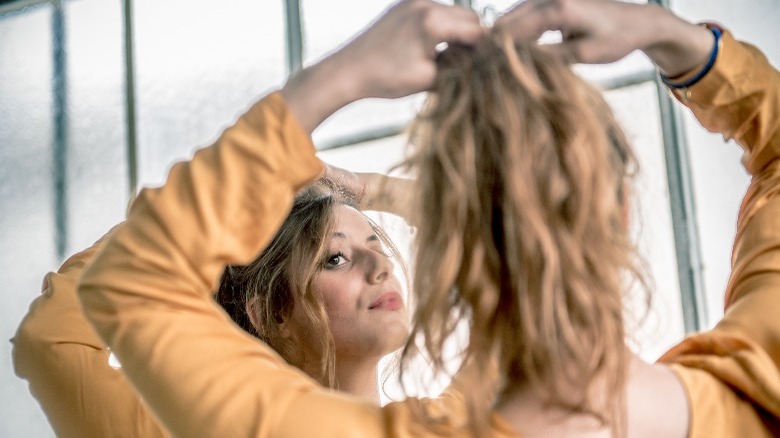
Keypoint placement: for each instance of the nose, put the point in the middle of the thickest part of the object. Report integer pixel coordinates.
(381, 267)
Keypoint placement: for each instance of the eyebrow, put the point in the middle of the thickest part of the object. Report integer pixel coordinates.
(371, 238)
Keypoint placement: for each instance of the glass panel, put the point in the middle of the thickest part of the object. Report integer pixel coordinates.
(662, 326)
(97, 157)
(321, 33)
(27, 240)
(719, 180)
(199, 65)
(376, 156)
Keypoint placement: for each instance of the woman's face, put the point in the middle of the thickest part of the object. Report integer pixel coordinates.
(361, 294)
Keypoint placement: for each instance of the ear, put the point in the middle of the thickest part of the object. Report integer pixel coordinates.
(251, 311)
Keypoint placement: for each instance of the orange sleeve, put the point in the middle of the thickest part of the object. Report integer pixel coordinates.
(148, 292)
(740, 357)
(66, 365)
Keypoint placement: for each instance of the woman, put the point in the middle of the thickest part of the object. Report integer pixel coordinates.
(298, 283)
(721, 383)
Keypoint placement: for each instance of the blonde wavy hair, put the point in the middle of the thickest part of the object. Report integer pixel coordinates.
(520, 169)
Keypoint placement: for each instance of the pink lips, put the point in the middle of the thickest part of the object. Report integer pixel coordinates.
(387, 301)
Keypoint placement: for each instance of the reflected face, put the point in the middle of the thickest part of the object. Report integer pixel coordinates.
(361, 294)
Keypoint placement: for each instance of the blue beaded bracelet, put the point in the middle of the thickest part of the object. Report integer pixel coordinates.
(704, 71)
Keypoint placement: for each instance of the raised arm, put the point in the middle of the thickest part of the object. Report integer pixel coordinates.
(740, 98)
(147, 293)
(66, 365)
(731, 372)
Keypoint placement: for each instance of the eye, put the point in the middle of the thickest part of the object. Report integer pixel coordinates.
(334, 261)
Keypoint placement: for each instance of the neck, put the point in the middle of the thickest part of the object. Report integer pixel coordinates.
(359, 378)
(522, 408)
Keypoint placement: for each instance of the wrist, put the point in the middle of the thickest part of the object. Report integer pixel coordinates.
(677, 46)
(687, 79)
(315, 92)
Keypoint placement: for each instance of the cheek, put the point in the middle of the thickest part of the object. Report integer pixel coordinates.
(339, 293)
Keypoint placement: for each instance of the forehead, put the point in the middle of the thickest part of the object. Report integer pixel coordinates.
(351, 223)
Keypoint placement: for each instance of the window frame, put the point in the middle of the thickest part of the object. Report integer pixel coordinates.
(678, 170)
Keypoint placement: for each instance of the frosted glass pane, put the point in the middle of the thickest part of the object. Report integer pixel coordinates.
(375, 156)
(26, 204)
(200, 65)
(327, 25)
(97, 159)
(25, 134)
(719, 180)
(637, 110)
(366, 115)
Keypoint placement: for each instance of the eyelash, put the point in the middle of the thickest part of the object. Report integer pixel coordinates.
(327, 265)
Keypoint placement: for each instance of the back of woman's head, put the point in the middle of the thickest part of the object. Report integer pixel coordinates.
(520, 167)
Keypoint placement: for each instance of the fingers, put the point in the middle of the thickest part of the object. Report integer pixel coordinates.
(453, 24)
(397, 54)
(594, 31)
(528, 20)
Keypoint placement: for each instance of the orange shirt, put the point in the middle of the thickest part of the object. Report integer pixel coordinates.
(148, 294)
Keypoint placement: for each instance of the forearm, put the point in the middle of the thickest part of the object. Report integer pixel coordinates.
(316, 92)
(676, 46)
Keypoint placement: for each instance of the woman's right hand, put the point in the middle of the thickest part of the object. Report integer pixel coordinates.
(603, 31)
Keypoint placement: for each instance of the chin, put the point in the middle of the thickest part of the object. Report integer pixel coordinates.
(396, 336)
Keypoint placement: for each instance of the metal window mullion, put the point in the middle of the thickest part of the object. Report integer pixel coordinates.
(684, 223)
(60, 134)
(294, 35)
(130, 109)
(681, 199)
